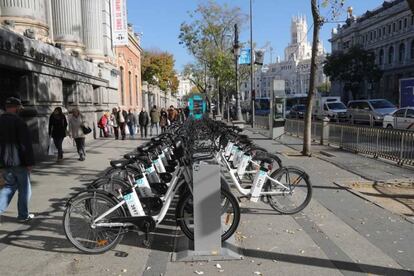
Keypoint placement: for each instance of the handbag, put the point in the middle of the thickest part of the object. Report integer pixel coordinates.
(52, 148)
(86, 130)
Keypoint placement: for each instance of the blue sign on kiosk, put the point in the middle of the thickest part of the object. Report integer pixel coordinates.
(198, 106)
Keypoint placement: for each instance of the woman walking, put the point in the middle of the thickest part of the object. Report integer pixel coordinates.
(76, 122)
(57, 129)
(163, 120)
(114, 122)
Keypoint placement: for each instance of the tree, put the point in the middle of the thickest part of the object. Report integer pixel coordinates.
(158, 69)
(318, 20)
(209, 37)
(352, 68)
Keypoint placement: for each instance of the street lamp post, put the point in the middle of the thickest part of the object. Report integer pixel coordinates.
(252, 88)
(236, 51)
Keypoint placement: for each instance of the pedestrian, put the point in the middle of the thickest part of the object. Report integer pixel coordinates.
(163, 120)
(180, 116)
(187, 112)
(103, 125)
(113, 121)
(76, 124)
(121, 120)
(143, 122)
(172, 114)
(57, 129)
(155, 119)
(131, 123)
(17, 159)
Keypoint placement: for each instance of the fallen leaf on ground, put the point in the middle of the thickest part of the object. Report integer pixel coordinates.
(199, 272)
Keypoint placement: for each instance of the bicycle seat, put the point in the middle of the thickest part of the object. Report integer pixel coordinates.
(118, 164)
(263, 159)
(132, 155)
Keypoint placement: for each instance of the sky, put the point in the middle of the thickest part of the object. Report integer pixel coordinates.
(159, 22)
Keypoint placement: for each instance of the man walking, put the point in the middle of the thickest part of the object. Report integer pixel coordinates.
(17, 159)
(155, 118)
(143, 122)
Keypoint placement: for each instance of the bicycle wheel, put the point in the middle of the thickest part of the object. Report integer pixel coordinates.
(109, 184)
(230, 217)
(296, 193)
(78, 217)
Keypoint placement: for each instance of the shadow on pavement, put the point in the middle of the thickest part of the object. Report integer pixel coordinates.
(325, 263)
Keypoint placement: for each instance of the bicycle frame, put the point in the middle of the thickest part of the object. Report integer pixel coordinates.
(220, 156)
(175, 184)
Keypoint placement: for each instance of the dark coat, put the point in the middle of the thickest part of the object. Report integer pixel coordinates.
(15, 133)
(57, 126)
(143, 118)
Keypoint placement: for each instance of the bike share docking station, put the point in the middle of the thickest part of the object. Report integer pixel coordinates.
(207, 244)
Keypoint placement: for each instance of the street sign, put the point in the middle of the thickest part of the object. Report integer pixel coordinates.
(244, 57)
(119, 23)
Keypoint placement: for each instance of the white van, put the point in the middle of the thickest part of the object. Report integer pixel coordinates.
(331, 108)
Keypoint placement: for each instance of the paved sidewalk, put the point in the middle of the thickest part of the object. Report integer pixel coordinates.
(338, 233)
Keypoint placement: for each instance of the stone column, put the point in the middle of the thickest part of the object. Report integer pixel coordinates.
(67, 25)
(107, 29)
(28, 17)
(92, 29)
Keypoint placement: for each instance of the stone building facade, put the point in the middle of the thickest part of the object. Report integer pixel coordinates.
(129, 66)
(387, 31)
(294, 69)
(57, 53)
(153, 95)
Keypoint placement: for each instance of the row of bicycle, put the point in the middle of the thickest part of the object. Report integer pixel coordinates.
(138, 190)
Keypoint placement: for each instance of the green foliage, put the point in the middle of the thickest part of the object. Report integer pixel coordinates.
(353, 66)
(208, 36)
(158, 69)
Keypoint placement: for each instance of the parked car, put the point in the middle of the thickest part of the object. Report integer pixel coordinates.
(402, 118)
(371, 111)
(297, 111)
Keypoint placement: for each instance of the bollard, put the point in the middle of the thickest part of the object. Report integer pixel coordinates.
(325, 131)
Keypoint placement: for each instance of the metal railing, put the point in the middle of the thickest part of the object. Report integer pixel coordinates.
(296, 127)
(395, 145)
(261, 122)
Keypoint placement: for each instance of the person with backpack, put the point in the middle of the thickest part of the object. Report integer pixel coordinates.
(57, 129)
(155, 119)
(17, 159)
(103, 125)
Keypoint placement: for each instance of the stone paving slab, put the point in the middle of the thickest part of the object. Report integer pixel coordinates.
(339, 233)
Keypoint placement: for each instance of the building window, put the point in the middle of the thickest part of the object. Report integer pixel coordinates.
(412, 20)
(130, 88)
(370, 36)
(393, 27)
(136, 88)
(375, 34)
(412, 49)
(383, 31)
(400, 25)
(122, 86)
(381, 57)
(401, 52)
(390, 55)
(405, 22)
(379, 32)
(389, 29)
